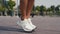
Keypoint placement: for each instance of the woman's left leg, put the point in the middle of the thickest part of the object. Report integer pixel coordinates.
(28, 12)
(29, 7)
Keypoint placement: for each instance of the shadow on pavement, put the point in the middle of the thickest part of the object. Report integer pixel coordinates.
(4, 28)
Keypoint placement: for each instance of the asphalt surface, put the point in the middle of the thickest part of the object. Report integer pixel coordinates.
(45, 25)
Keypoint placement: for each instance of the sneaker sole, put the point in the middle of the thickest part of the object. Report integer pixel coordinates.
(29, 31)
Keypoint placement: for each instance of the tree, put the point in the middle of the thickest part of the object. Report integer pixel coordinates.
(48, 10)
(11, 4)
(57, 9)
(37, 9)
(0, 1)
(53, 9)
(42, 9)
(2, 9)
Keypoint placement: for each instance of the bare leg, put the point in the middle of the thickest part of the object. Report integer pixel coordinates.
(24, 23)
(23, 6)
(29, 7)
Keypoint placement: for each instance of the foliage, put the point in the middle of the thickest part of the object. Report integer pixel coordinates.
(0, 1)
(57, 8)
(38, 8)
(2, 8)
(42, 8)
(52, 7)
(49, 9)
(11, 4)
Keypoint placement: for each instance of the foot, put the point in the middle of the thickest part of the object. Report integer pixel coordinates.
(30, 22)
(25, 25)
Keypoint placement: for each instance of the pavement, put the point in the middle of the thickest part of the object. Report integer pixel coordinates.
(45, 25)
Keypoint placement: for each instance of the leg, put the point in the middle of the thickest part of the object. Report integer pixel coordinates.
(29, 7)
(24, 23)
(23, 6)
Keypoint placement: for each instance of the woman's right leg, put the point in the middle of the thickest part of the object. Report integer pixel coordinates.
(24, 23)
(23, 6)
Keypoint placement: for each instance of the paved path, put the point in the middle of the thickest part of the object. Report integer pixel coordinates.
(45, 25)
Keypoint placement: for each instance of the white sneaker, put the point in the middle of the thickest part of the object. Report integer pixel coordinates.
(32, 25)
(25, 25)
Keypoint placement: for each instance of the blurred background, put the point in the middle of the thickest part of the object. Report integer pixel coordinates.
(40, 8)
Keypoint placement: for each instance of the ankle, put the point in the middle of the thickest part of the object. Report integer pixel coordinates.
(28, 17)
(23, 19)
